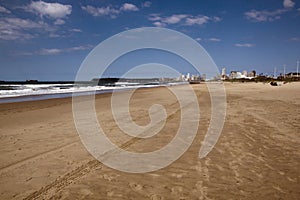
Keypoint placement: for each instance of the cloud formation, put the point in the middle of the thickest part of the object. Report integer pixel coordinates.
(174, 19)
(51, 10)
(146, 4)
(288, 3)
(108, 10)
(4, 10)
(244, 45)
(199, 20)
(263, 16)
(13, 28)
(75, 30)
(159, 24)
(184, 19)
(214, 39)
(129, 7)
(55, 51)
(59, 22)
(49, 51)
(100, 11)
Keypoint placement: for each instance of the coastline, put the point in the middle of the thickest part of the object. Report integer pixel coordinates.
(257, 155)
(65, 94)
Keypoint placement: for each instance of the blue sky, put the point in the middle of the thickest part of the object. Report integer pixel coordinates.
(48, 40)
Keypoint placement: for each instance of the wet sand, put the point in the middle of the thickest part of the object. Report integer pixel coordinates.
(256, 157)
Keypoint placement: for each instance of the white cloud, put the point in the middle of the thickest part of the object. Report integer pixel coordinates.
(199, 20)
(108, 10)
(4, 10)
(59, 22)
(198, 39)
(154, 17)
(174, 19)
(288, 3)
(49, 51)
(129, 7)
(15, 28)
(184, 19)
(14, 34)
(214, 39)
(265, 16)
(262, 16)
(217, 19)
(244, 45)
(159, 24)
(75, 30)
(101, 11)
(18, 23)
(56, 51)
(52, 10)
(146, 4)
(79, 48)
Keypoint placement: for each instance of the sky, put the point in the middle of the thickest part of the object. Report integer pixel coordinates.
(48, 40)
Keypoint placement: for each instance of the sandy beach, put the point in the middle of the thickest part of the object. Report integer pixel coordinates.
(256, 157)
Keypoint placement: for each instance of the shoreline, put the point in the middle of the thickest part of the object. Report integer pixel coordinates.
(39, 97)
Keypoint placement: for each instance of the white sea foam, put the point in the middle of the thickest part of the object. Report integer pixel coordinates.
(46, 89)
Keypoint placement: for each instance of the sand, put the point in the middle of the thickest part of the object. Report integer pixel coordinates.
(256, 157)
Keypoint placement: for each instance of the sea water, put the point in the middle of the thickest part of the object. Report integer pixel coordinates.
(31, 92)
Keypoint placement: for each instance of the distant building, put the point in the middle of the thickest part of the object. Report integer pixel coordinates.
(195, 77)
(223, 71)
(251, 74)
(188, 76)
(241, 75)
(182, 77)
(235, 75)
(223, 74)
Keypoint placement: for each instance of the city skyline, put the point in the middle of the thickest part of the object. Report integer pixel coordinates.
(48, 40)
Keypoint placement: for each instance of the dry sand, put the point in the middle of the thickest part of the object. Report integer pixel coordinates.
(256, 157)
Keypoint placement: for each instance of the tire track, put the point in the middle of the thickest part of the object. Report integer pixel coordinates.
(61, 182)
(69, 178)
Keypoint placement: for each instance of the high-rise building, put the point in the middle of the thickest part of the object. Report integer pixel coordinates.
(223, 74)
(188, 76)
(223, 71)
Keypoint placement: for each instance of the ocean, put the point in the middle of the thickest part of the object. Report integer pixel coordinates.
(30, 92)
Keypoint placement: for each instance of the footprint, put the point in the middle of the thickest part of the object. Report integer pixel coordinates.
(176, 190)
(136, 187)
(201, 189)
(156, 197)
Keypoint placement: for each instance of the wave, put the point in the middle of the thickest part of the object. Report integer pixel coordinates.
(14, 92)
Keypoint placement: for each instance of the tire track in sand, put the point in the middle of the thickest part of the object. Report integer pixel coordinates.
(61, 182)
(51, 189)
